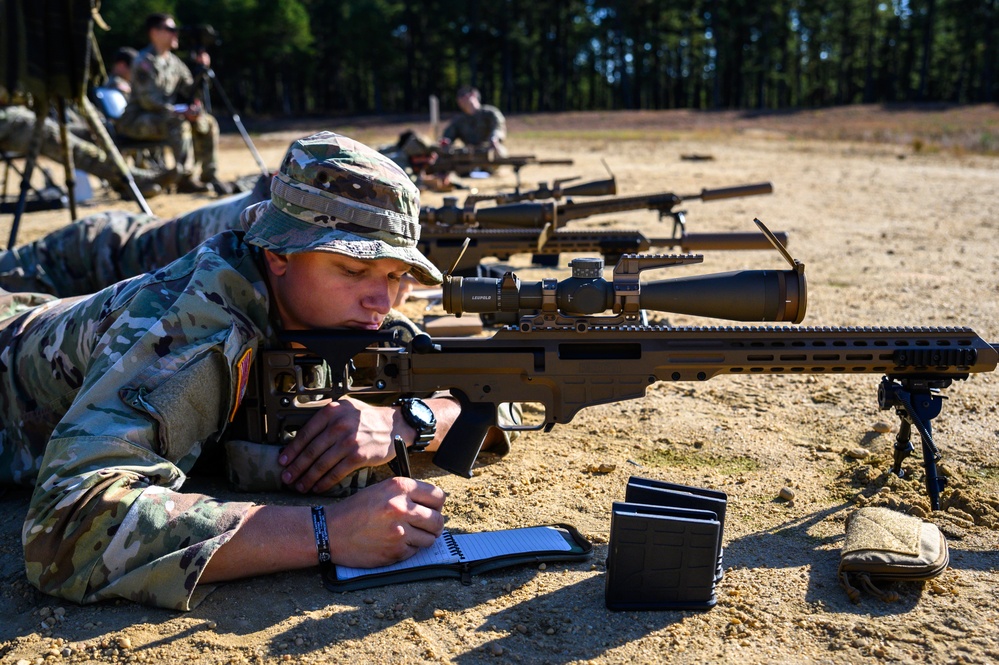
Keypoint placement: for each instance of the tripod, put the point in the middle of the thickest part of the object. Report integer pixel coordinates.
(209, 75)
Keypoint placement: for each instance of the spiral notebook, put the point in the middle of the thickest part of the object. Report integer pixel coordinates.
(462, 555)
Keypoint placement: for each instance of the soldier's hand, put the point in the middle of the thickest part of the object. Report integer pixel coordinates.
(339, 439)
(194, 110)
(385, 523)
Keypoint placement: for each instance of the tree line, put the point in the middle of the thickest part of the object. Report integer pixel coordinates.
(387, 56)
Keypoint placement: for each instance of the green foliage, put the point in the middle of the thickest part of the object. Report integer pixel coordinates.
(358, 56)
(127, 20)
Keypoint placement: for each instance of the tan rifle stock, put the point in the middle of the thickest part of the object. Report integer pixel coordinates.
(566, 370)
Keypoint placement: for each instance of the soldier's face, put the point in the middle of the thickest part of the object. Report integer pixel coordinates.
(165, 36)
(468, 104)
(324, 290)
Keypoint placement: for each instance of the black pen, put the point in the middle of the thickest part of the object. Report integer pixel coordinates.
(400, 465)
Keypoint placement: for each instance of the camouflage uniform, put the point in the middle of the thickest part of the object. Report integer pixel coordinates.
(159, 82)
(411, 151)
(107, 401)
(17, 123)
(99, 250)
(479, 129)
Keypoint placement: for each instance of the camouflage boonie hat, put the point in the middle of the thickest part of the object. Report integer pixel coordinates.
(333, 194)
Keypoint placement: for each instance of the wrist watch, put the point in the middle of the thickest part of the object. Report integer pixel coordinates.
(420, 417)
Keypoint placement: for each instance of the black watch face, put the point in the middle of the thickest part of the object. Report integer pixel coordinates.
(421, 411)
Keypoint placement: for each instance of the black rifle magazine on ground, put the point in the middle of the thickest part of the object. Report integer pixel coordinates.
(661, 558)
(884, 546)
(461, 555)
(662, 493)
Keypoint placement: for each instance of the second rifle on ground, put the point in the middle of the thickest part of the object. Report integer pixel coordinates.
(466, 160)
(537, 228)
(537, 215)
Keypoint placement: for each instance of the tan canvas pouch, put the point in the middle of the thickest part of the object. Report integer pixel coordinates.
(884, 545)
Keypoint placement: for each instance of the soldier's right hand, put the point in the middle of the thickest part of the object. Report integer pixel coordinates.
(194, 110)
(385, 523)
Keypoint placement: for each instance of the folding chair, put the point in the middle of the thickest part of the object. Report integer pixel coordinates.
(49, 197)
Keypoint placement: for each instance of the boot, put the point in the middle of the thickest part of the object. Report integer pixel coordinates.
(151, 183)
(168, 179)
(221, 188)
(191, 185)
(146, 188)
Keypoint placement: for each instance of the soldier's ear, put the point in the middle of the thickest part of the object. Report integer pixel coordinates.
(276, 263)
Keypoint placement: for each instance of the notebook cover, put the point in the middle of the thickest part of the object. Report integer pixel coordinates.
(581, 549)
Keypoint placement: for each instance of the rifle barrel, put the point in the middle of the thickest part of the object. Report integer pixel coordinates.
(709, 242)
(733, 192)
(537, 214)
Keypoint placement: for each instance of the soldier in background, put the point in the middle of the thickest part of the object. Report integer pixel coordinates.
(163, 107)
(480, 126)
(121, 70)
(412, 151)
(17, 123)
(98, 250)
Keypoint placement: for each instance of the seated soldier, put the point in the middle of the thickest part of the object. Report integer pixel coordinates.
(17, 124)
(479, 126)
(163, 106)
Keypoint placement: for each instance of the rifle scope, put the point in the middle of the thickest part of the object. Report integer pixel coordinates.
(743, 295)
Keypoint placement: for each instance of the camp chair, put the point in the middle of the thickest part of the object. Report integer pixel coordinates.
(49, 197)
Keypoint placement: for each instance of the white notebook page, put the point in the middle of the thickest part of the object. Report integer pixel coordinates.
(473, 547)
(477, 546)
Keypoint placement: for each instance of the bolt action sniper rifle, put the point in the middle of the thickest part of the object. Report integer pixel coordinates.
(465, 160)
(445, 245)
(569, 357)
(503, 231)
(537, 215)
(555, 192)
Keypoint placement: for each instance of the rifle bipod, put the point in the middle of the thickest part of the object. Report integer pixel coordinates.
(916, 402)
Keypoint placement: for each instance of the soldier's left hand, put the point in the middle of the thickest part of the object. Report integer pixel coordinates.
(341, 438)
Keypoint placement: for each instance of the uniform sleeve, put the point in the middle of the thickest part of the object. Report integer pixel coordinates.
(497, 125)
(451, 131)
(147, 91)
(106, 519)
(185, 79)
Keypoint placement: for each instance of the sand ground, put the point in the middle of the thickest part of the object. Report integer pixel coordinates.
(894, 214)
